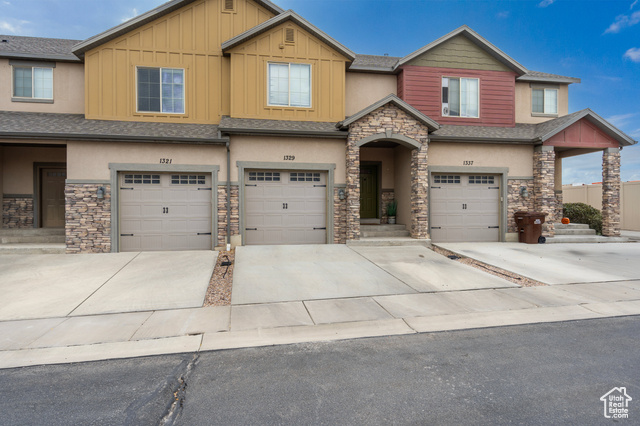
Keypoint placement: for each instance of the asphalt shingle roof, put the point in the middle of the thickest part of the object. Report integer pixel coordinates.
(383, 63)
(75, 126)
(543, 76)
(521, 132)
(252, 125)
(37, 47)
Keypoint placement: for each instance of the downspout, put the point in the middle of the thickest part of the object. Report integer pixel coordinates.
(228, 194)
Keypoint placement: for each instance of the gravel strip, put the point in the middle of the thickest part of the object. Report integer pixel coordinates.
(498, 272)
(219, 291)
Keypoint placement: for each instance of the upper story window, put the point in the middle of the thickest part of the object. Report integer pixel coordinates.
(544, 101)
(161, 90)
(290, 85)
(33, 82)
(460, 97)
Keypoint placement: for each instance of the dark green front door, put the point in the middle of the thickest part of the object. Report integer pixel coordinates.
(368, 192)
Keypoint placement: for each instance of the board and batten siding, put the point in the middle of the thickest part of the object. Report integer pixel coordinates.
(188, 38)
(421, 87)
(249, 76)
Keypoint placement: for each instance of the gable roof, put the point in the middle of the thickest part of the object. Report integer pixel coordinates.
(547, 78)
(475, 38)
(289, 15)
(374, 63)
(550, 128)
(54, 49)
(431, 124)
(145, 18)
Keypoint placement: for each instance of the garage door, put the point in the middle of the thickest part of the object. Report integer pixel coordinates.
(284, 207)
(465, 207)
(165, 211)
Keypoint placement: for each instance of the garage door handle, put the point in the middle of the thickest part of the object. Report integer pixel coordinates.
(494, 187)
(204, 189)
(494, 227)
(319, 186)
(251, 229)
(436, 187)
(128, 188)
(126, 235)
(248, 184)
(436, 227)
(204, 233)
(315, 229)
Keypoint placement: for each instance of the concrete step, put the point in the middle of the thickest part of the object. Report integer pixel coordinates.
(15, 239)
(383, 231)
(578, 231)
(386, 242)
(585, 239)
(571, 226)
(29, 248)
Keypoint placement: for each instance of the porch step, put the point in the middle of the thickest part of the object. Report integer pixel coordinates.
(585, 239)
(384, 231)
(571, 226)
(30, 248)
(388, 241)
(32, 235)
(576, 231)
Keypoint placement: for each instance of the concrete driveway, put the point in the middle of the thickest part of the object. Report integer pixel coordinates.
(46, 286)
(558, 263)
(268, 274)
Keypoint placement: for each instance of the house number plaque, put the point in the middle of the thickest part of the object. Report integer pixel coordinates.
(166, 160)
(467, 163)
(289, 157)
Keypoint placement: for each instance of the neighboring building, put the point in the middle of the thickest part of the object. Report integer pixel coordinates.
(137, 138)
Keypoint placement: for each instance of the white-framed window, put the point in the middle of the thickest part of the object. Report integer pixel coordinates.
(289, 85)
(160, 90)
(544, 101)
(33, 82)
(460, 97)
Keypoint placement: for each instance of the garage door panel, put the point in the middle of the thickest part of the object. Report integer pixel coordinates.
(165, 213)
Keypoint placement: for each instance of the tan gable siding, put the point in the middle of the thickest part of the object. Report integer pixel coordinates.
(249, 76)
(188, 38)
(459, 52)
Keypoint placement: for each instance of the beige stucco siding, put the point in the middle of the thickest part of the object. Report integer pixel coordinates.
(402, 185)
(384, 156)
(68, 90)
(18, 163)
(523, 103)
(90, 160)
(364, 89)
(274, 149)
(518, 158)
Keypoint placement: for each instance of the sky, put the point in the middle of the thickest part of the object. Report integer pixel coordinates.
(596, 41)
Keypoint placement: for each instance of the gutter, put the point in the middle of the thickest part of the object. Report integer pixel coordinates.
(228, 144)
(301, 133)
(111, 138)
(520, 141)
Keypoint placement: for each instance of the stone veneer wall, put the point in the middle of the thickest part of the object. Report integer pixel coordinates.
(88, 220)
(387, 196)
(17, 211)
(389, 117)
(222, 213)
(339, 218)
(544, 187)
(611, 192)
(515, 202)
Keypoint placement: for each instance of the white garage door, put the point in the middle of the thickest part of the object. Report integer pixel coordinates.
(284, 207)
(165, 211)
(465, 207)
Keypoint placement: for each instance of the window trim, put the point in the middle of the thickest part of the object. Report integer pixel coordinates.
(33, 98)
(442, 100)
(184, 84)
(544, 90)
(269, 104)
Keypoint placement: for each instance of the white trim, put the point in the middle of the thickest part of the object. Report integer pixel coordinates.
(184, 84)
(544, 105)
(460, 100)
(269, 104)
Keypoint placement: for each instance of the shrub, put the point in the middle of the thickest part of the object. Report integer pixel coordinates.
(392, 208)
(584, 213)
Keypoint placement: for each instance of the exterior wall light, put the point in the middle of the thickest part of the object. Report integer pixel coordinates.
(523, 192)
(100, 193)
(341, 194)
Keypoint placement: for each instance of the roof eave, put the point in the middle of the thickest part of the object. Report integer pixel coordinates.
(379, 70)
(110, 138)
(567, 80)
(277, 20)
(38, 56)
(145, 18)
(519, 141)
(282, 132)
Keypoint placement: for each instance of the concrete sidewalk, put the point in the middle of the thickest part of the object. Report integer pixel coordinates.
(125, 335)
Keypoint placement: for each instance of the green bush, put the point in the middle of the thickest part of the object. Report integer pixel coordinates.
(392, 208)
(584, 213)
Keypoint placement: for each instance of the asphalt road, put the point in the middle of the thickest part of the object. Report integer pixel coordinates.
(538, 374)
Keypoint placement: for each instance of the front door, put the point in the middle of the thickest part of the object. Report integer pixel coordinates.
(52, 193)
(369, 192)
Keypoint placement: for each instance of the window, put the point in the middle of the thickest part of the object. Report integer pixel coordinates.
(304, 177)
(33, 82)
(188, 179)
(290, 85)
(544, 101)
(142, 179)
(161, 90)
(446, 179)
(481, 180)
(264, 176)
(460, 97)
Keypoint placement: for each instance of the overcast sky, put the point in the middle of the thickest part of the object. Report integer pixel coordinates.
(597, 41)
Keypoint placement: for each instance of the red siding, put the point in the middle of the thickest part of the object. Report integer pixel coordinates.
(421, 87)
(582, 134)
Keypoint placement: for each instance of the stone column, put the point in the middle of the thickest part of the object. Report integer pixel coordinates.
(353, 188)
(611, 192)
(419, 192)
(544, 187)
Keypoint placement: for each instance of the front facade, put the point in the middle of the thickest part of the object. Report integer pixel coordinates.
(212, 122)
